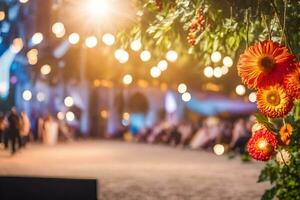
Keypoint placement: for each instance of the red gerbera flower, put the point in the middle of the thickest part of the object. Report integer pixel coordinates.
(292, 82)
(264, 63)
(262, 145)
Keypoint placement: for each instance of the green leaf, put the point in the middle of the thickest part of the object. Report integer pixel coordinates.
(265, 121)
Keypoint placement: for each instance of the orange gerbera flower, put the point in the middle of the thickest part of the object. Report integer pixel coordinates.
(264, 63)
(292, 82)
(285, 133)
(273, 101)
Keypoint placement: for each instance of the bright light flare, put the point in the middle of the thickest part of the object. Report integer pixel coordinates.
(70, 116)
(37, 38)
(98, 8)
(2, 15)
(216, 57)
(218, 72)
(121, 55)
(208, 72)
(45, 69)
(252, 97)
(136, 45)
(145, 55)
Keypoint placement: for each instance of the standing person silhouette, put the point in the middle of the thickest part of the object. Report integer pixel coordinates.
(14, 129)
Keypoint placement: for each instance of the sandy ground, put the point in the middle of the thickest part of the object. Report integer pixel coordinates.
(131, 171)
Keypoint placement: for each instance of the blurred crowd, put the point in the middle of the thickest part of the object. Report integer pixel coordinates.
(232, 134)
(16, 130)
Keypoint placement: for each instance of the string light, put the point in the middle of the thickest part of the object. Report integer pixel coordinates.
(74, 38)
(182, 88)
(127, 79)
(240, 90)
(45, 69)
(216, 56)
(171, 56)
(145, 55)
(186, 97)
(108, 39)
(91, 42)
(162, 65)
(104, 114)
(155, 72)
(27, 95)
(136, 45)
(68, 101)
(23, 1)
(208, 72)
(37, 38)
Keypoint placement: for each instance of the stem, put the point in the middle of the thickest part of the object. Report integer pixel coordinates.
(284, 20)
(283, 159)
(247, 28)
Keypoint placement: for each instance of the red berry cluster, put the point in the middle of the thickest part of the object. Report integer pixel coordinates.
(197, 26)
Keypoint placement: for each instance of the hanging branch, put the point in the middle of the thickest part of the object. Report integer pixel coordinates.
(282, 26)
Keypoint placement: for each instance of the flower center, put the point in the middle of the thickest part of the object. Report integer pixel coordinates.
(264, 146)
(267, 63)
(273, 98)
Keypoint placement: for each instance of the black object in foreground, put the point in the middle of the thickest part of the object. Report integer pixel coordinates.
(34, 188)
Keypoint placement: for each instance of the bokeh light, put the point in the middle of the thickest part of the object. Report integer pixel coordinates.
(171, 56)
(37, 38)
(58, 29)
(27, 95)
(70, 116)
(240, 90)
(32, 56)
(91, 42)
(136, 45)
(227, 61)
(45, 69)
(208, 72)
(2, 15)
(108, 39)
(218, 72)
(23, 1)
(17, 45)
(127, 79)
(74, 38)
(68, 101)
(162, 65)
(219, 149)
(121, 55)
(252, 97)
(145, 55)
(40, 96)
(155, 72)
(182, 88)
(186, 96)
(225, 70)
(216, 57)
(60, 116)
